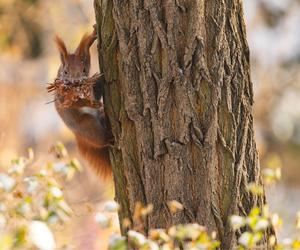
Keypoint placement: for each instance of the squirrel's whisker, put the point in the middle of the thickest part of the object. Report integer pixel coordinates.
(50, 102)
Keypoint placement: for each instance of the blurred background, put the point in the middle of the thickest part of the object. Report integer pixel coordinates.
(29, 60)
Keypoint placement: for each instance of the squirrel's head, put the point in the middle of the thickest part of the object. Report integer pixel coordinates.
(75, 66)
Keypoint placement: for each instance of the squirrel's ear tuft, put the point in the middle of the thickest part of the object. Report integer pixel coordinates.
(61, 48)
(85, 44)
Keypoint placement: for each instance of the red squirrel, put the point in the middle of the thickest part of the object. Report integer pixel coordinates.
(89, 124)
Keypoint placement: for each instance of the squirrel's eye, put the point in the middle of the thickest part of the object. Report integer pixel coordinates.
(65, 72)
(84, 70)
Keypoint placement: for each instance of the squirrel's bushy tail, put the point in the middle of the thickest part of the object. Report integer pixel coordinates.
(98, 158)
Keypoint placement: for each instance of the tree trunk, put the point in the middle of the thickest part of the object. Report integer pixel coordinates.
(179, 98)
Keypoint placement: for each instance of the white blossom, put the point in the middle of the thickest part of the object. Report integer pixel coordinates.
(32, 184)
(152, 245)
(237, 221)
(61, 168)
(245, 239)
(41, 236)
(16, 169)
(137, 237)
(24, 208)
(115, 239)
(102, 220)
(262, 224)
(6, 182)
(111, 206)
(43, 172)
(56, 192)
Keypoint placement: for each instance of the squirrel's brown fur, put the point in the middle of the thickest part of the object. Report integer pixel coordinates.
(89, 124)
(97, 157)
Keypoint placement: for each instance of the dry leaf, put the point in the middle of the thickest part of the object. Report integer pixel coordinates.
(73, 91)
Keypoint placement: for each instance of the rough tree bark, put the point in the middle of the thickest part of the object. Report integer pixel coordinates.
(179, 98)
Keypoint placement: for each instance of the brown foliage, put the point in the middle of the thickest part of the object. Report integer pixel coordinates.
(74, 91)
